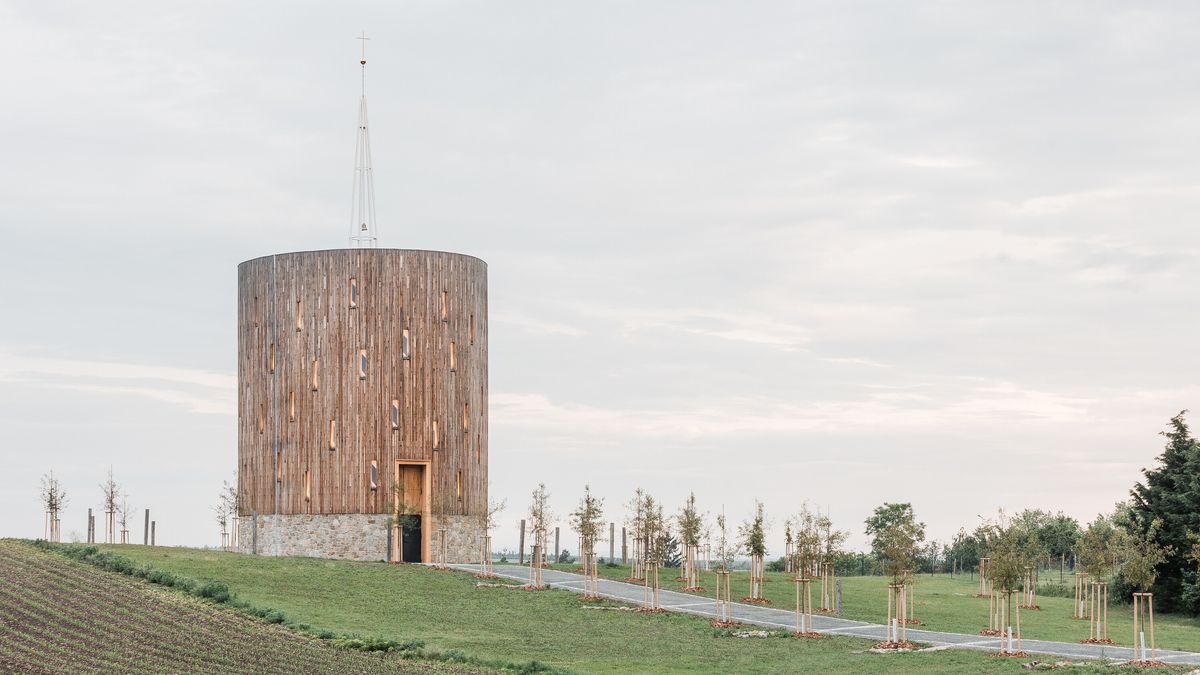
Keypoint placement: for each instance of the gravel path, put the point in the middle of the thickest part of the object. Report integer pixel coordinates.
(782, 618)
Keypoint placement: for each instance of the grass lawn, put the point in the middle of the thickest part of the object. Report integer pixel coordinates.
(948, 604)
(446, 610)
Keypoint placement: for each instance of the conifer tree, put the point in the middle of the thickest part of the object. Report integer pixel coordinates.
(1169, 495)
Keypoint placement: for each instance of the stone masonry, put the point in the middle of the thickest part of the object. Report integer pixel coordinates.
(351, 536)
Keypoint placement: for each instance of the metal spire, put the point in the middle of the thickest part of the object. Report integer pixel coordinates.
(362, 216)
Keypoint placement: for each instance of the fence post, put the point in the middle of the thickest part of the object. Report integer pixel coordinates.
(521, 555)
(612, 542)
(556, 549)
(146, 530)
(624, 547)
(152, 524)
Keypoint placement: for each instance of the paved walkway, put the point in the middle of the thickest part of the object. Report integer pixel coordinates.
(781, 618)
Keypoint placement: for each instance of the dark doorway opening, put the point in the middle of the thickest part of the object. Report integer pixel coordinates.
(410, 545)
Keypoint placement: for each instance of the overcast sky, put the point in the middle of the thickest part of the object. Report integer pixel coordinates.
(839, 252)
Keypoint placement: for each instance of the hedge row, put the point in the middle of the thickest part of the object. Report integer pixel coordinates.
(218, 592)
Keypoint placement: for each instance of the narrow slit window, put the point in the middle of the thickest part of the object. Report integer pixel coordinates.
(466, 417)
(374, 475)
(404, 344)
(333, 434)
(299, 317)
(278, 466)
(316, 374)
(445, 306)
(262, 418)
(435, 435)
(307, 485)
(291, 406)
(477, 446)
(453, 358)
(471, 329)
(362, 364)
(395, 414)
(353, 292)
(271, 359)
(458, 484)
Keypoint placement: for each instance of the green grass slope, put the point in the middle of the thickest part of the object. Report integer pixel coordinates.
(948, 604)
(447, 610)
(61, 616)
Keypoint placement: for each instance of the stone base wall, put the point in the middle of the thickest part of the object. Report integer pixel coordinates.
(464, 535)
(351, 536)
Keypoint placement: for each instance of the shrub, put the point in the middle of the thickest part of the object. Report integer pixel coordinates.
(359, 644)
(274, 616)
(217, 591)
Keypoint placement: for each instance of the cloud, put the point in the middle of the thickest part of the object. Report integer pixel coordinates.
(971, 403)
(753, 327)
(928, 162)
(1055, 204)
(501, 320)
(196, 390)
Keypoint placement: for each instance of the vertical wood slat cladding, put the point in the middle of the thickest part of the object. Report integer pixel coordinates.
(396, 290)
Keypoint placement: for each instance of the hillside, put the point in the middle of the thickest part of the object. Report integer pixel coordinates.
(60, 616)
(448, 611)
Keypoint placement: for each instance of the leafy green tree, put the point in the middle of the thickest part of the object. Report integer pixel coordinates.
(806, 540)
(963, 551)
(1059, 534)
(1100, 547)
(1006, 542)
(691, 523)
(725, 551)
(1141, 558)
(753, 533)
(1170, 495)
(655, 531)
(586, 519)
(895, 535)
(831, 539)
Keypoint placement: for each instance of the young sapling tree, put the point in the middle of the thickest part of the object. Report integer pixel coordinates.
(691, 525)
(753, 540)
(54, 500)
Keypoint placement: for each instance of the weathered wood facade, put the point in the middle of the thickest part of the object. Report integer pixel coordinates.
(352, 363)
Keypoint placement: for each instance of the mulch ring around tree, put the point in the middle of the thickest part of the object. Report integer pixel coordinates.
(1097, 641)
(693, 589)
(637, 579)
(724, 624)
(1031, 608)
(652, 610)
(888, 646)
(911, 622)
(1148, 664)
(586, 597)
(755, 601)
(811, 635)
(1011, 655)
(991, 632)
(487, 576)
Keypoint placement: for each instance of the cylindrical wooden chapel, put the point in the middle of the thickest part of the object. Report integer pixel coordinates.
(362, 385)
